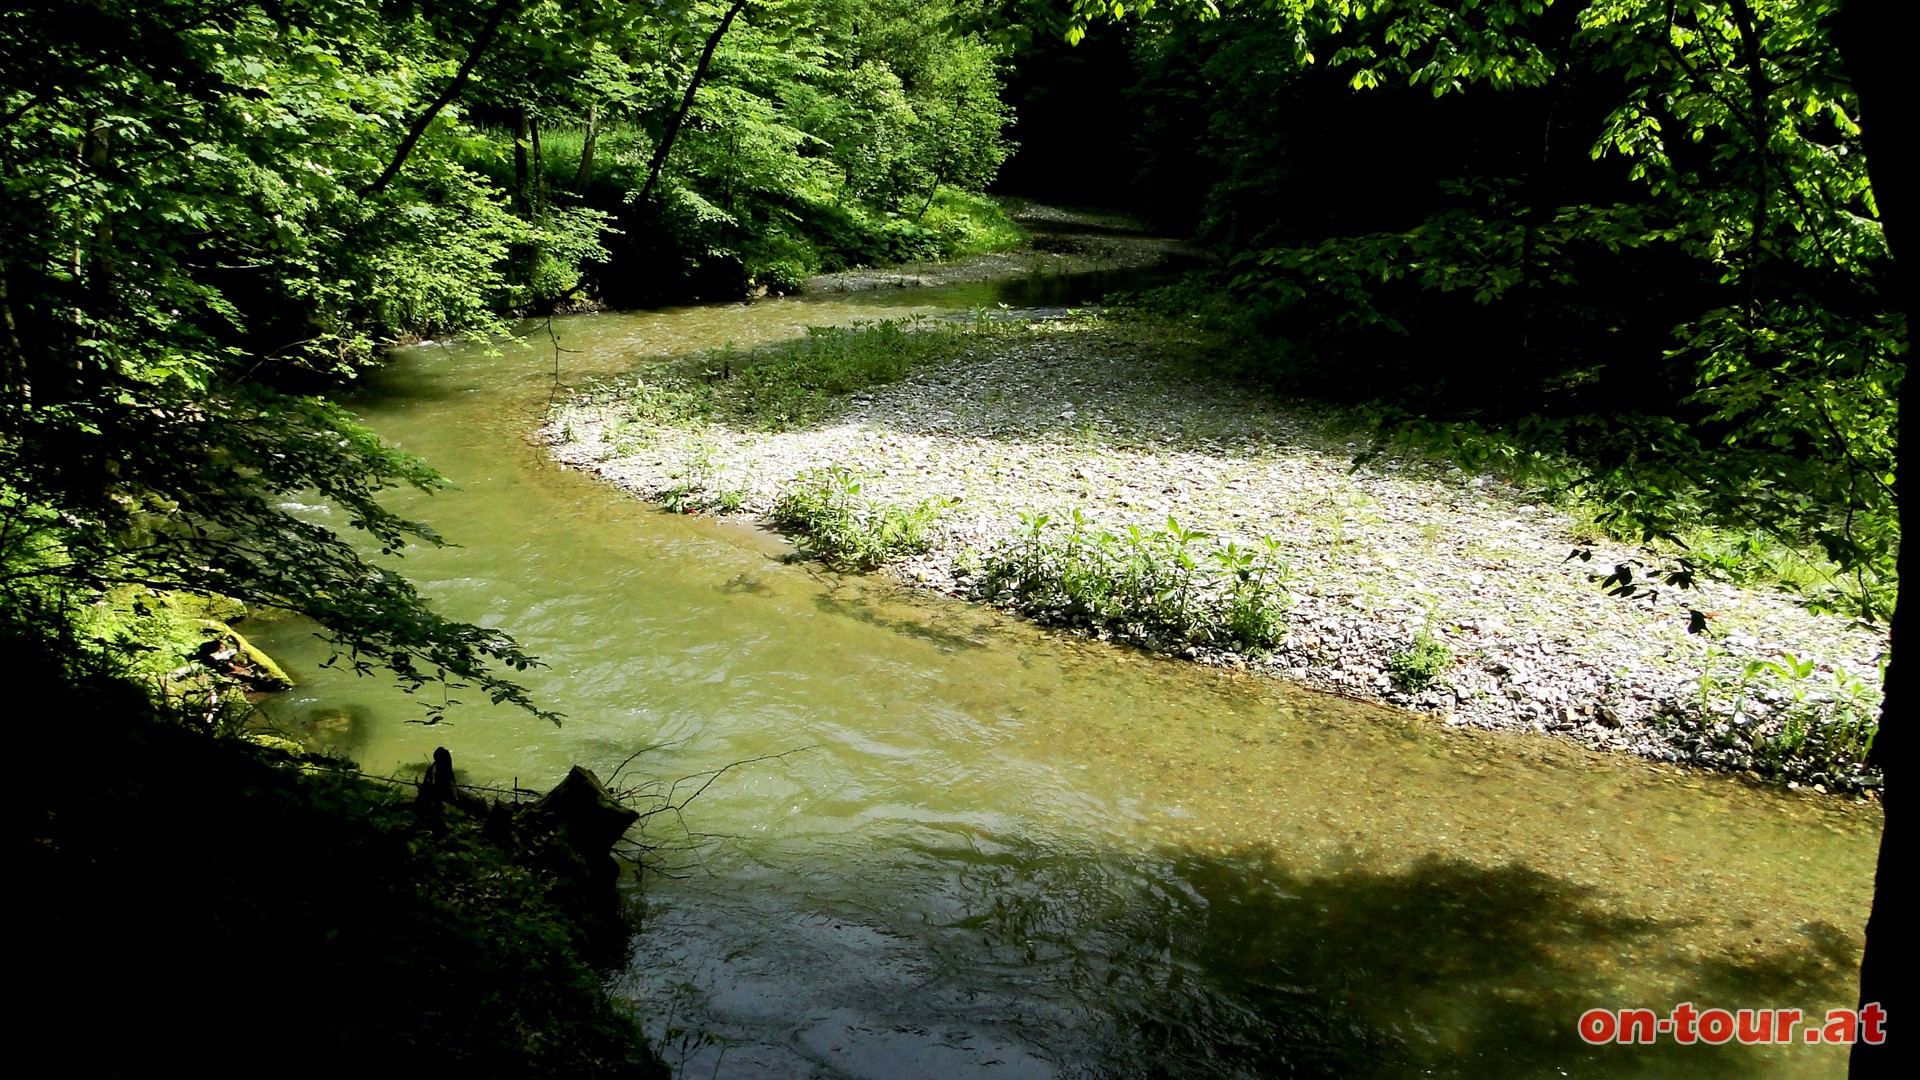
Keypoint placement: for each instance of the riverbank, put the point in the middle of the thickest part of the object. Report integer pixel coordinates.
(231, 905)
(1402, 564)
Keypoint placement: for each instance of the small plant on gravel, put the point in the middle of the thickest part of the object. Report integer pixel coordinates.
(1255, 614)
(693, 480)
(1416, 668)
(1781, 719)
(1163, 588)
(848, 531)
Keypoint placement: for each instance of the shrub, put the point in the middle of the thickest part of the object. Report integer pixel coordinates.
(848, 531)
(1418, 667)
(1160, 588)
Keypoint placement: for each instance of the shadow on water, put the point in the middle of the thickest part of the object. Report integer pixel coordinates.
(1064, 290)
(1443, 968)
(861, 606)
(1177, 963)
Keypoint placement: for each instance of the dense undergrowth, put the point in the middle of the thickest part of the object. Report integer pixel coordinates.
(769, 241)
(735, 148)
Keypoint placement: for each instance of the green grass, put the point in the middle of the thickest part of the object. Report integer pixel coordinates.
(1169, 589)
(614, 164)
(970, 224)
(787, 386)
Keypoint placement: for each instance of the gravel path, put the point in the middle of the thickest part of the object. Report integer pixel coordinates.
(1088, 415)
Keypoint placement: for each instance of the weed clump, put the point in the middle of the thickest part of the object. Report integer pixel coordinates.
(1171, 588)
(1782, 719)
(847, 530)
(1414, 669)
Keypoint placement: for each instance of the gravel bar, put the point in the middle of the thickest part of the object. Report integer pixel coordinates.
(1090, 415)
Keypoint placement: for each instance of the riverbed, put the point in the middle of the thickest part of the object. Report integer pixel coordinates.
(951, 844)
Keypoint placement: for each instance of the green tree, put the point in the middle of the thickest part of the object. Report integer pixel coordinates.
(203, 215)
(1594, 227)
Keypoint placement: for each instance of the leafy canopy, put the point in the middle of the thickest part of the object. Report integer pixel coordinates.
(1660, 211)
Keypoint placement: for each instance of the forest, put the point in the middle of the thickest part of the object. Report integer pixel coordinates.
(1627, 263)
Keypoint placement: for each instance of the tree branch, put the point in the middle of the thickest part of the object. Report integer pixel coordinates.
(686, 101)
(481, 42)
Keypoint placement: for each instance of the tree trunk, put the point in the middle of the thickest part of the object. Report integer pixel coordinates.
(522, 168)
(1873, 43)
(481, 42)
(539, 168)
(585, 175)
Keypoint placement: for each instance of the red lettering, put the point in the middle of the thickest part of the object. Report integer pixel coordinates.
(1755, 1025)
(1689, 1025)
(1597, 1026)
(1683, 1021)
(1716, 1026)
(1638, 1025)
(1872, 1016)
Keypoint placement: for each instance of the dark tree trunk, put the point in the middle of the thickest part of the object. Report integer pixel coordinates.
(585, 176)
(539, 189)
(679, 116)
(1873, 41)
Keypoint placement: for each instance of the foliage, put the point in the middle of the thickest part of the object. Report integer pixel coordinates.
(191, 237)
(1161, 588)
(820, 136)
(212, 213)
(970, 224)
(846, 529)
(1782, 718)
(1418, 667)
(1633, 238)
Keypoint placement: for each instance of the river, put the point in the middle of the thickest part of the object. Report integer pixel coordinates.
(957, 846)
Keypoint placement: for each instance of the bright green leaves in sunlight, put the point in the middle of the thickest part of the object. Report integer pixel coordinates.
(188, 244)
(214, 212)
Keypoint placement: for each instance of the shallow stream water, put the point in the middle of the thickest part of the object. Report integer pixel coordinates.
(956, 846)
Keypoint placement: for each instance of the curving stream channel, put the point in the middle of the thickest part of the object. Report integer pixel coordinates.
(960, 847)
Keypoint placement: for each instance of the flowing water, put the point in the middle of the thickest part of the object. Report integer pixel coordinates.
(956, 846)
